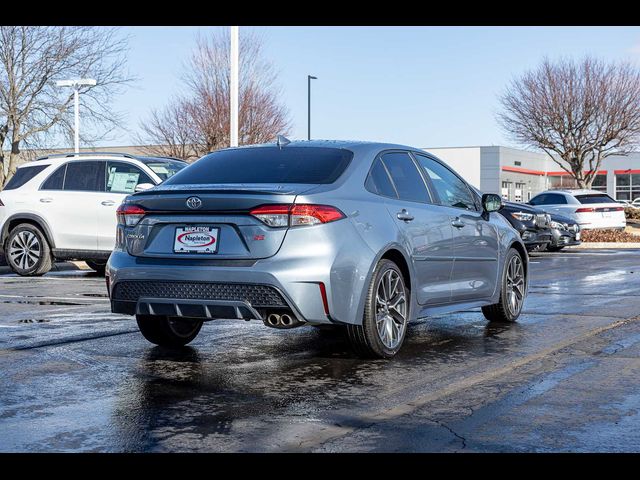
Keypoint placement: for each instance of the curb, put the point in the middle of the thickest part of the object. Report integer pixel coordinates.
(618, 245)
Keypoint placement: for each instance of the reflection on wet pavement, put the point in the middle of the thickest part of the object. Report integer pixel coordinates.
(459, 383)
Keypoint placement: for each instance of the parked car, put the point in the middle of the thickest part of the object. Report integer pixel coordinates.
(564, 232)
(532, 224)
(64, 207)
(368, 236)
(590, 208)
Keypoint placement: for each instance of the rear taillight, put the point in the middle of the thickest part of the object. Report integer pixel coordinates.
(600, 209)
(296, 215)
(129, 215)
(272, 215)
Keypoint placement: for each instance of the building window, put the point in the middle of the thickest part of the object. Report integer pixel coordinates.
(627, 186)
(517, 163)
(519, 192)
(506, 191)
(567, 181)
(600, 183)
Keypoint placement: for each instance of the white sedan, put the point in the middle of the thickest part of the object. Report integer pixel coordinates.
(590, 208)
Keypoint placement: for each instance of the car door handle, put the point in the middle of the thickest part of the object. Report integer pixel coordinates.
(404, 215)
(46, 200)
(108, 203)
(456, 222)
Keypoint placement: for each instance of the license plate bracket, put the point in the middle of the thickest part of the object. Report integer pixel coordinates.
(198, 239)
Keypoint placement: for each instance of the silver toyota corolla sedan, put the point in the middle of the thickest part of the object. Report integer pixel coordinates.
(362, 236)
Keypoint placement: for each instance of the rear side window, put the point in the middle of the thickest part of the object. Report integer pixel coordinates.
(55, 180)
(314, 165)
(549, 199)
(23, 175)
(378, 181)
(595, 198)
(406, 177)
(85, 176)
(539, 200)
(556, 199)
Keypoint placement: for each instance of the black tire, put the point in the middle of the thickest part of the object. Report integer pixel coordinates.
(554, 249)
(365, 339)
(168, 332)
(98, 265)
(40, 251)
(502, 311)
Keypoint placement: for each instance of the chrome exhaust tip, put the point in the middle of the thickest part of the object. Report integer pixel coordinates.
(286, 320)
(273, 319)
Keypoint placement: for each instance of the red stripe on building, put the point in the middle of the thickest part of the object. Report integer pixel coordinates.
(522, 170)
(617, 172)
(562, 172)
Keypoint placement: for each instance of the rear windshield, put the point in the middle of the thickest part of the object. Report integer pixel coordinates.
(23, 175)
(595, 198)
(266, 165)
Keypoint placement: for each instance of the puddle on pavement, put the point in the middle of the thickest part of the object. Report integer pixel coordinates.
(41, 302)
(34, 320)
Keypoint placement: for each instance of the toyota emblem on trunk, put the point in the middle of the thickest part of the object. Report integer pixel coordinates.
(194, 203)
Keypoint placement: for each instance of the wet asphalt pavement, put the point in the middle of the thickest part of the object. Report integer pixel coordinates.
(74, 377)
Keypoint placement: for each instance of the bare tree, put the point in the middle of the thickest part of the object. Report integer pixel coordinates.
(577, 112)
(198, 122)
(33, 111)
(173, 131)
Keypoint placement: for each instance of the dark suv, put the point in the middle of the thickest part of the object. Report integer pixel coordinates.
(532, 224)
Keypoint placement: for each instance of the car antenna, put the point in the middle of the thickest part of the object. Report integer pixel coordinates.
(282, 141)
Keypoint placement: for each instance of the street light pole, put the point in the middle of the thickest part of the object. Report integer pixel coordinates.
(234, 87)
(309, 78)
(76, 84)
(76, 122)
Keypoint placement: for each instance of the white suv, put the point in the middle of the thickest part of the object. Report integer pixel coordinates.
(590, 208)
(64, 206)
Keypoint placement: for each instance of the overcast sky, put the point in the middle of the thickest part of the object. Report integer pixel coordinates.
(422, 86)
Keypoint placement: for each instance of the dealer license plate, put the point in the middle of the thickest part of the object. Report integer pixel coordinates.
(196, 239)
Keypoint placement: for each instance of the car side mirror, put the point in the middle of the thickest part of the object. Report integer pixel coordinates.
(143, 186)
(491, 202)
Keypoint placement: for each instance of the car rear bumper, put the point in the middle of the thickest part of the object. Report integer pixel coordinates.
(211, 291)
(589, 221)
(332, 256)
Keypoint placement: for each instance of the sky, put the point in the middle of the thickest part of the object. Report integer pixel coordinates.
(421, 86)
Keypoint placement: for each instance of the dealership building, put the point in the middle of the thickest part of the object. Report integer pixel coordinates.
(518, 175)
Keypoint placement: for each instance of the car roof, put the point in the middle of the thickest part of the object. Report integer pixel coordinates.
(58, 159)
(574, 192)
(346, 144)
(521, 206)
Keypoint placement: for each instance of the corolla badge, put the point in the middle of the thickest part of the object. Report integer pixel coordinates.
(194, 203)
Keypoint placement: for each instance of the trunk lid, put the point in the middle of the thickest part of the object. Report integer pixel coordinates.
(223, 208)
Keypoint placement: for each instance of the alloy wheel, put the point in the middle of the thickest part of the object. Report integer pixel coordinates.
(515, 285)
(391, 309)
(25, 250)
